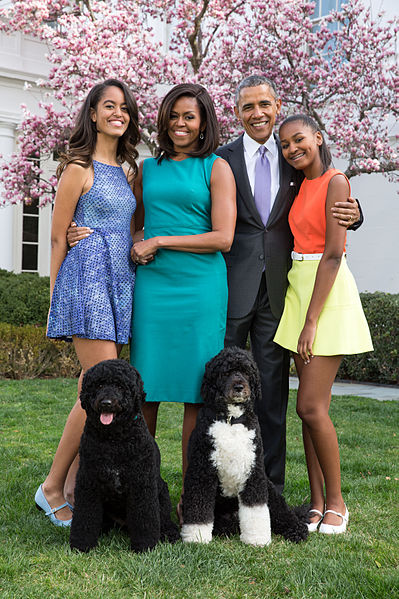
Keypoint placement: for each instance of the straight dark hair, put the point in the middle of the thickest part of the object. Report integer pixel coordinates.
(305, 119)
(210, 141)
(83, 139)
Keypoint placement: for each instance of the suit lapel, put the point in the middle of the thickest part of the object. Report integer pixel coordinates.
(237, 163)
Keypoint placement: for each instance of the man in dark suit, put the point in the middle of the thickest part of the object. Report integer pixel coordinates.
(260, 258)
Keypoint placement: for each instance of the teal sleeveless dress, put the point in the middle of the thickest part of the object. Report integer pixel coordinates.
(180, 299)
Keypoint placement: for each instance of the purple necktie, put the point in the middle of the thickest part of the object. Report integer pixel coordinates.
(262, 191)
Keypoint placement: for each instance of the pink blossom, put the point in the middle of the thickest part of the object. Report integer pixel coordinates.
(345, 77)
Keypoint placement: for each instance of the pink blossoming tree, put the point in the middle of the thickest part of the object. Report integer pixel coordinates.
(342, 69)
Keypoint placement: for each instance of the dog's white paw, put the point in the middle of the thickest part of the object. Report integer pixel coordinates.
(196, 533)
(255, 524)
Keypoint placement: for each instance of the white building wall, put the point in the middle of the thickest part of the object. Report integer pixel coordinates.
(7, 135)
(372, 249)
(22, 60)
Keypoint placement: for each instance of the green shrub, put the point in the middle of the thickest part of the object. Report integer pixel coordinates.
(26, 353)
(381, 365)
(24, 298)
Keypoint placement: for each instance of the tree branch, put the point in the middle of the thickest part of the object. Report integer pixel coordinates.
(89, 8)
(195, 38)
(212, 35)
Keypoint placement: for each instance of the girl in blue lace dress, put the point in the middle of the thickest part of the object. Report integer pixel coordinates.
(91, 286)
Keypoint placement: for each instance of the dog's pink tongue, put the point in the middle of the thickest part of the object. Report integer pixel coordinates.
(106, 418)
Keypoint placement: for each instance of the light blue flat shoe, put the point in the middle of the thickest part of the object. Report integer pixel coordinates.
(43, 504)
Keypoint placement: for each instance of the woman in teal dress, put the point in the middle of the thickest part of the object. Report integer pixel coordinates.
(186, 203)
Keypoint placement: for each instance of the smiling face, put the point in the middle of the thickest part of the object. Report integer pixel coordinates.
(301, 148)
(257, 110)
(185, 125)
(111, 114)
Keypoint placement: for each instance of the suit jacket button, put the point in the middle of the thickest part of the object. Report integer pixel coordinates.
(261, 257)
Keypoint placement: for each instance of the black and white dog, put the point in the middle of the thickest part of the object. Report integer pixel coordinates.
(225, 477)
(118, 477)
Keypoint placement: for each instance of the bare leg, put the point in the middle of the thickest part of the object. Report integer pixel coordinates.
(150, 413)
(189, 421)
(315, 474)
(89, 352)
(321, 444)
(69, 486)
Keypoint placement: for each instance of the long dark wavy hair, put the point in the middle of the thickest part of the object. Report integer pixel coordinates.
(210, 141)
(305, 119)
(83, 139)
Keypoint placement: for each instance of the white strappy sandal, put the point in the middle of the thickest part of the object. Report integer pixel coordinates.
(331, 529)
(312, 526)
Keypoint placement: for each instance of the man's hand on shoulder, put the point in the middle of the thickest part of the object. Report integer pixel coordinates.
(347, 213)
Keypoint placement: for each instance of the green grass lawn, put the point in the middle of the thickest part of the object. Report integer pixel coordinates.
(36, 562)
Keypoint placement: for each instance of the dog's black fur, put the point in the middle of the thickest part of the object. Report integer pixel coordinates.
(118, 476)
(230, 378)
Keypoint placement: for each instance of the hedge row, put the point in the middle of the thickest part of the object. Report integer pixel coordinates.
(24, 298)
(26, 353)
(381, 365)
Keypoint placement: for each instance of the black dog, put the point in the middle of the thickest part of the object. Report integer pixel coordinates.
(118, 476)
(225, 482)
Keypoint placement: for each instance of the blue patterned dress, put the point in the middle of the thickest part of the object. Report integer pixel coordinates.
(93, 292)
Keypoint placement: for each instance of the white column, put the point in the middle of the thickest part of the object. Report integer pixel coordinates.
(7, 141)
(43, 265)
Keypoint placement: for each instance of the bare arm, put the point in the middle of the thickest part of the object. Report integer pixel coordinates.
(328, 267)
(70, 188)
(223, 215)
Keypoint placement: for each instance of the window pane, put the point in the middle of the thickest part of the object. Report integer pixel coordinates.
(30, 228)
(316, 12)
(29, 257)
(32, 208)
(332, 26)
(327, 6)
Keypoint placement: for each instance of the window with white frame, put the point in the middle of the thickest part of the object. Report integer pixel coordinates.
(324, 7)
(30, 233)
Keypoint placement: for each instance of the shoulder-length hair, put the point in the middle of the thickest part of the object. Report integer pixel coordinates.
(305, 119)
(210, 131)
(83, 139)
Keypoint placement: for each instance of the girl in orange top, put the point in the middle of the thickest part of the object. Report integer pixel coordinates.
(323, 317)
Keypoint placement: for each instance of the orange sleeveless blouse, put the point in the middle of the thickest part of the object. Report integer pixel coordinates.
(307, 217)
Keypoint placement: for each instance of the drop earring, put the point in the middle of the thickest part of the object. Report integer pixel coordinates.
(201, 136)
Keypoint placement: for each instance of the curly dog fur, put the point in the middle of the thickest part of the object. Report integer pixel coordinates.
(225, 483)
(118, 476)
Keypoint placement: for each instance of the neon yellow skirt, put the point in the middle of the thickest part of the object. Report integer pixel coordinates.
(341, 328)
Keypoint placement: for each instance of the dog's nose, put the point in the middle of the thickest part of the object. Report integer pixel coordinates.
(238, 387)
(106, 403)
